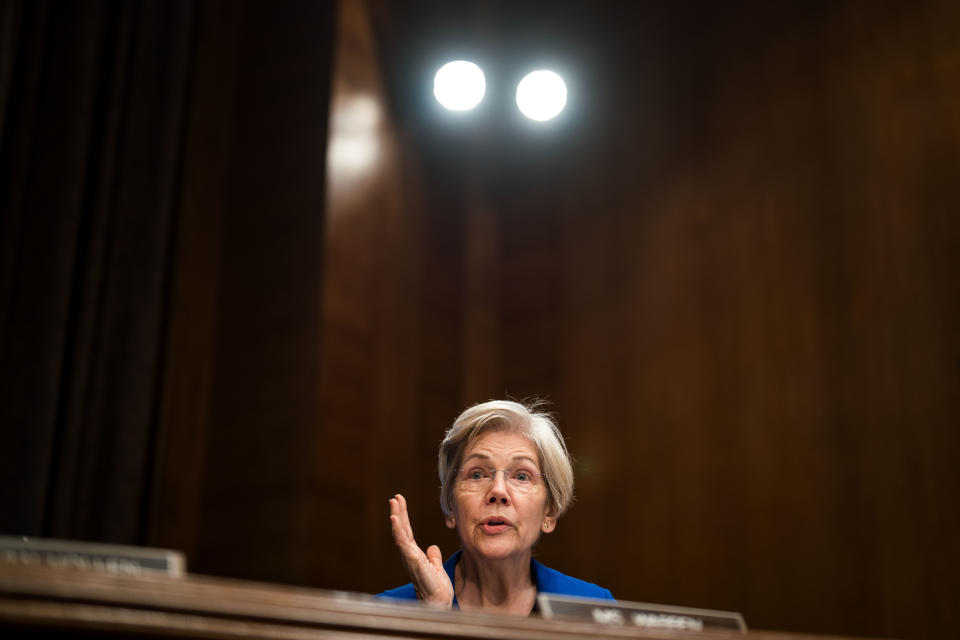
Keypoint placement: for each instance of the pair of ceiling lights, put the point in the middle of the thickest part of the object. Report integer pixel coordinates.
(460, 85)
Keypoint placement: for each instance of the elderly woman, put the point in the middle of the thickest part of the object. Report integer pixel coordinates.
(506, 478)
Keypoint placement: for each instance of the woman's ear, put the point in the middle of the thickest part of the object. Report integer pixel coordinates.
(450, 521)
(549, 521)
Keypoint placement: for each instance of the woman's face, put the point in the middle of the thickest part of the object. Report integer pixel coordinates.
(500, 518)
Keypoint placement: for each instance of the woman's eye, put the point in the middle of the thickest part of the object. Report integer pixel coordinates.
(476, 474)
(522, 476)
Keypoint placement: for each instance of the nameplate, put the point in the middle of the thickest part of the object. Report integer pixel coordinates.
(640, 615)
(72, 554)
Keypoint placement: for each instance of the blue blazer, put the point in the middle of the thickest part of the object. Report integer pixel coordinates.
(546, 580)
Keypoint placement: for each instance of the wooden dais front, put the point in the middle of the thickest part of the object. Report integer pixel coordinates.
(39, 600)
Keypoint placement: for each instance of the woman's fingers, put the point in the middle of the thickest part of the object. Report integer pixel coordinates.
(435, 558)
(410, 553)
(404, 515)
(400, 522)
(440, 586)
(430, 578)
(426, 570)
(398, 508)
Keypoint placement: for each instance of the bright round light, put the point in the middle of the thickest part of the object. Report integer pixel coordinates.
(459, 85)
(541, 95)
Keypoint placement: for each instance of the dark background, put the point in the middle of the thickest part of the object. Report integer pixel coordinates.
(731, 265)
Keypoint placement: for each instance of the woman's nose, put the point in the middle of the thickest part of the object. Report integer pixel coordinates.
(498, 490)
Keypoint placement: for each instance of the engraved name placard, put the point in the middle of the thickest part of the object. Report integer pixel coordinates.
(639, 614)
(112, 558)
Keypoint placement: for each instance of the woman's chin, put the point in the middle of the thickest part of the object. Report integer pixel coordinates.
(493, 549)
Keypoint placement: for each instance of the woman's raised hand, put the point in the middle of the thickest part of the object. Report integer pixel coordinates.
(426, 569)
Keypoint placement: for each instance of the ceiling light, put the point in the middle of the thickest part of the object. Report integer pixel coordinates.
(541, 95)
(459, 85)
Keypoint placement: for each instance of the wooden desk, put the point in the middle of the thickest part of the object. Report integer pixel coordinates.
(38, 600)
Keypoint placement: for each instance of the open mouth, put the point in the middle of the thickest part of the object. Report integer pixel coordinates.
(495, 524)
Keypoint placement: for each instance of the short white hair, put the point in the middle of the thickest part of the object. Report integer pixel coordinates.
(506, 415)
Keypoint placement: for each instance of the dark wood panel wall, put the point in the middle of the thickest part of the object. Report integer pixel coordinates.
(731, 266)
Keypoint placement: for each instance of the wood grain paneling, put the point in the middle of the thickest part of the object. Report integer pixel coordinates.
(732, 267)
(379, 355)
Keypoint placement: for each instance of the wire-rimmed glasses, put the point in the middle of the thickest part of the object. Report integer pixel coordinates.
(478, 478)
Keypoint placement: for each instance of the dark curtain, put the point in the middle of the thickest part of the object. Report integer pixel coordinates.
(161, 226)
(92, 107)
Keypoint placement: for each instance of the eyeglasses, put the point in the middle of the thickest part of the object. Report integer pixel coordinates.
(477, 479)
